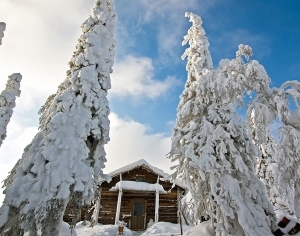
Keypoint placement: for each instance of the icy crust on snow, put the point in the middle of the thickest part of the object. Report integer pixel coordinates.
(67, 155)
(2, 29)
(138, 186)
(8, 102)
(210, 141)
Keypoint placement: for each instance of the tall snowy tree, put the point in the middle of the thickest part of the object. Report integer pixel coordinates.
(8, 102)
(8, 96)
(216, 159)
(64, 161)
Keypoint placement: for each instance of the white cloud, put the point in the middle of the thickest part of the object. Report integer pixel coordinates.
(17, 139)
(168, 19)
(133, 77)
(40, 38)
(131, 142)
(12, 148)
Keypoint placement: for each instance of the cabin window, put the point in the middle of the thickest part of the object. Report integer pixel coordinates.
(140, 178)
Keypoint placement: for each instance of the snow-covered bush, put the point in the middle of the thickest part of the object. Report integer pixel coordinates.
(64, 161)
(216, 158)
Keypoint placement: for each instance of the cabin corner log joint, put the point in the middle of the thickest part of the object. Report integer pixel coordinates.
(138, 195)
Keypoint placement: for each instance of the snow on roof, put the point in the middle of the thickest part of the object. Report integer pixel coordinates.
(138, 186)
(138, 163)
(154, 169)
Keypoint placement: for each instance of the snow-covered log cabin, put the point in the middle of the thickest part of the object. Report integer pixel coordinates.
(137, 195)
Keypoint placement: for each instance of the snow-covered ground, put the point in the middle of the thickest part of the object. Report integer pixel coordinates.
(158, 229)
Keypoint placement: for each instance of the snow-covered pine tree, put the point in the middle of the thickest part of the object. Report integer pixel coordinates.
(8, 102)
(216, 159)
(64, 161)
(199, 61)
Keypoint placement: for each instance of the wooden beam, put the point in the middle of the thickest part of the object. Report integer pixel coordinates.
(179, 204)
(119, 202)
(96, 208)
(156, 202)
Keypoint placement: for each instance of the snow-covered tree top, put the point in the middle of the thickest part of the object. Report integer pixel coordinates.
(2, 29)
(198, 53)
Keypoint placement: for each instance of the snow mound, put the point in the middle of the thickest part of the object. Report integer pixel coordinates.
(165, 228)
(203, 229)
(100, 230)
(64, 231)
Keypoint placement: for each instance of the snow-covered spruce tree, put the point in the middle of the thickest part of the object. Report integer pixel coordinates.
(282, 163)
(8, 102)
(216, 159)
(64, 161)
(199, 62)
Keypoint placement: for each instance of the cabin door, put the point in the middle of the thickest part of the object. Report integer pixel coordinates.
(138, 217)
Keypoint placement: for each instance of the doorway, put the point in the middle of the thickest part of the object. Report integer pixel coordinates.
(139, 214)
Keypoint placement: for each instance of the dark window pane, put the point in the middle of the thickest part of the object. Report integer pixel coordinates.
(140, 178)
(138, 209)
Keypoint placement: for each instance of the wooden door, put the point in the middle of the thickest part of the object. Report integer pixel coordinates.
(139, 215)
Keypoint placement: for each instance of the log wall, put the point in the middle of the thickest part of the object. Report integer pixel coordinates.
(167, 202)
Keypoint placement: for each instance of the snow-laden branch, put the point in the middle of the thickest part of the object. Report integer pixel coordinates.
(2, 29)
(279, 163)
(8, 102)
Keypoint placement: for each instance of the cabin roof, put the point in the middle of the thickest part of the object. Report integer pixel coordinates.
(164, 176)
(136, 164)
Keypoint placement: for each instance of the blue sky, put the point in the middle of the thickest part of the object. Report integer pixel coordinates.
(149, 74)
(271, 28)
